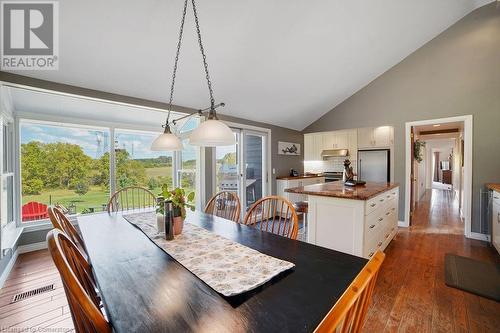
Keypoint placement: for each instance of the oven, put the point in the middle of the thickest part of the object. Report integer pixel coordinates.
(332, 176)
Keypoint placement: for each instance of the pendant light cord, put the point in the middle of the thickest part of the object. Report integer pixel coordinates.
(205, 64)
(179, 42)
(212, 114)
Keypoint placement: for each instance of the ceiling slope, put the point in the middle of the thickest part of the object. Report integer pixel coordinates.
(281, 62)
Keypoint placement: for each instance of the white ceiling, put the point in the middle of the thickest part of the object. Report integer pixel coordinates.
(282, 62)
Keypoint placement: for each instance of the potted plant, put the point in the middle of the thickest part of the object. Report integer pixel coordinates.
(180, 202)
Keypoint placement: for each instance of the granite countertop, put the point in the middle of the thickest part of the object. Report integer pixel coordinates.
(299, 177)
(339, 190)
(494, 187)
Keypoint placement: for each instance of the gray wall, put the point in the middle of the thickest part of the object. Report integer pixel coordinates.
(457, 73)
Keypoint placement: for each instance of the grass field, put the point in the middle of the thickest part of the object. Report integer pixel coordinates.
(95, 198)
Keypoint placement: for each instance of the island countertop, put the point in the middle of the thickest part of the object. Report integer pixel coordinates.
(494, 187)
(299, 177)
(339, 190)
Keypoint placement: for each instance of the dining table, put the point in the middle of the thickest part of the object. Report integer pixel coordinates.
(144, 289)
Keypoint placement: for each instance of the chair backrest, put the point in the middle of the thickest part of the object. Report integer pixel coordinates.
(34, 211)
(274, 214)
(132, 197)
(78, 284)
(61, 222)
(348, 314)
(225, 204)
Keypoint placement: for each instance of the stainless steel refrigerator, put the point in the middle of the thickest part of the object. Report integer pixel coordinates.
(374, 165)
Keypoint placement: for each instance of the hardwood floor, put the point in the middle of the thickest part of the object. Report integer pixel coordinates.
(46, 312)
(411, 295)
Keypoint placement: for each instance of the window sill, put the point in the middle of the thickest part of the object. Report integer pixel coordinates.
(44, 224)
(10, 236)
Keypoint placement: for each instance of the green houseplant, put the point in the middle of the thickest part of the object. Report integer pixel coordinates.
(180, 202)
(417, 150)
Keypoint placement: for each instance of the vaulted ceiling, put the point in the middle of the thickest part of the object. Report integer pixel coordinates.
(281, 62)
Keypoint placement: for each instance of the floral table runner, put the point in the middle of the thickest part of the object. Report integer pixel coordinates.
(226, 266)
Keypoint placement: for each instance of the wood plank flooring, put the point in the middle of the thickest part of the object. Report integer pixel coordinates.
(46, 312)
(410, 295)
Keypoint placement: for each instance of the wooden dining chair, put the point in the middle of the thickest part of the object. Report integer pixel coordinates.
(132, 197)
(274, 214)
(225, 204)
(348, 314)
(61, 222)
(79, 286)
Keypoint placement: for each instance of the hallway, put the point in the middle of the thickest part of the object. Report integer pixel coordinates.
(438, 212)
(411, 295)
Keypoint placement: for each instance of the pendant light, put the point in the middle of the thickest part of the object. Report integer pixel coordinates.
(209, 133)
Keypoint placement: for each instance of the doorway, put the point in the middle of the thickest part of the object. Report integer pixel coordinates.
(439, 173)
(243, 167)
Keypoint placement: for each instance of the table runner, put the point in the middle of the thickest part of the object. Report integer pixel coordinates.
(226, 266)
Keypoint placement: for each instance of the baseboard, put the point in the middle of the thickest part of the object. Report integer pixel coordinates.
(32, 247)
(479, 236)
(402, 224)
(8, 268)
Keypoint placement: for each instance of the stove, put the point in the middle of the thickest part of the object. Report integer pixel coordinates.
(332, 176)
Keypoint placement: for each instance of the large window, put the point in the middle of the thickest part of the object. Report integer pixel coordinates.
(137, 165)
(63, 165)
(69, 165)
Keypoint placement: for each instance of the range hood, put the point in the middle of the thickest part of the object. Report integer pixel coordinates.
(328, 153)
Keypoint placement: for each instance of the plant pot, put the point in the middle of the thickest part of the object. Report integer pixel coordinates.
(160, 223)
(178, 225)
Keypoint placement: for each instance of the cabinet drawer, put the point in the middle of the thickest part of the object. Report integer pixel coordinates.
(496, 197)
(374, 203)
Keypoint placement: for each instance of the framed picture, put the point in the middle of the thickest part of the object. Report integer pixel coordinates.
(288, 148)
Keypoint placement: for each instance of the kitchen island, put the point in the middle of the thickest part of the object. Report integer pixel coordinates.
(358, 220)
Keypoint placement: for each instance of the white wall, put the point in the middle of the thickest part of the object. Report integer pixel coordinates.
(444, 147)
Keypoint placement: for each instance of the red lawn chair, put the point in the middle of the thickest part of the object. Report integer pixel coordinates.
(34, 211)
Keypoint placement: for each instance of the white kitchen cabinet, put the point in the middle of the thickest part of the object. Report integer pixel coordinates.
(358, 227)
(313, 145)
(495, 223)
(375, 137)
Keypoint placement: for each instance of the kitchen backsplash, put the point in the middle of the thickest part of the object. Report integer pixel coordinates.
(333, 164)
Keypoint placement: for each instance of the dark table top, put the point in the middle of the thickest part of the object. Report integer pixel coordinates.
(146, 290)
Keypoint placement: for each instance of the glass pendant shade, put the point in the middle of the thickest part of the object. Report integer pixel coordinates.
(166, 141)
(212, 133)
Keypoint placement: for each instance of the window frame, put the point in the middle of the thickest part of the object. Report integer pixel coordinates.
(95, 125)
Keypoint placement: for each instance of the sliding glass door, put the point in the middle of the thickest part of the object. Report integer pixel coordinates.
(242, 168)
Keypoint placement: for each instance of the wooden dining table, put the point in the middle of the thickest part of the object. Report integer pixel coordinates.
(145, 290)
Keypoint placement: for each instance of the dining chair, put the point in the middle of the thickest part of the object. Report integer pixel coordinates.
(79, 286)
(225, 204)
(61, 222)
(274, 214)
(132, 197)
(348, 314)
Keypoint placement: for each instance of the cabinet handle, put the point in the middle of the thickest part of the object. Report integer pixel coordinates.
(498, 217)
(495, 197)
(380, 219)
(387, 213)
(393, 208)
(372, 226)
(388, 196)
(379, 243)
(386, 235)
(373, 205)
(371, 254)
(381, 200)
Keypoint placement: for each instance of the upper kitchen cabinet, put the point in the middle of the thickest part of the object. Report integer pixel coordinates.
(313, 145)
(375, 137)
